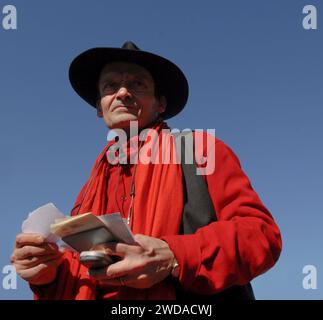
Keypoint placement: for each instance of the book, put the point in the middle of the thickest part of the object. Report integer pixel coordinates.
(87, 230)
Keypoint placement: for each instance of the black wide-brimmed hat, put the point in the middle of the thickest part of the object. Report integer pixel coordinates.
(85, 70)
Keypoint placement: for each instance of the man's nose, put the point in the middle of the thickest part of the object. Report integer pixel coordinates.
(123, 93)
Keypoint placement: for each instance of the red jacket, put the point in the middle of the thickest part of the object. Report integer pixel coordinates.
(244, 242)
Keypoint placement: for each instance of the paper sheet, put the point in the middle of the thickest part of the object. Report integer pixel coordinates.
(39, 221)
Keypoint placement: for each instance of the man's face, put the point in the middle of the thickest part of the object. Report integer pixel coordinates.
(127, 94)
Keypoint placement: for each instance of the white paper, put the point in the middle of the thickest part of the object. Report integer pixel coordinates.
(39, 221)
(118, 227)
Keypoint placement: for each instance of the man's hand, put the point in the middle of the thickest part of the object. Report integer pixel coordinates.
(35, 260)
(142, 265)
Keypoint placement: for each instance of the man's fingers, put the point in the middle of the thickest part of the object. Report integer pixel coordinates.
(31, 251)
(118, 248)
(113, 282)
(29, 239)
(139, 281)
(28, 274)
(110, 248)
(140, 238)
(37, 271)
(123, 267)
(34, 261)
(115, 270)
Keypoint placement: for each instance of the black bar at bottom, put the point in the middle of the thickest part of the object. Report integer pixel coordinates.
(97, 310)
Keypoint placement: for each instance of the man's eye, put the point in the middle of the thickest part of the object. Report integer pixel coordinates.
(139, 84)
(109, 85)
(112, 84)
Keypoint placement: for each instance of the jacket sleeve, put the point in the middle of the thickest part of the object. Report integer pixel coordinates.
(244, 242)
(72, 282)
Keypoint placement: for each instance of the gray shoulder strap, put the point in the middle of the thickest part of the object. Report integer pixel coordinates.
(198, 208)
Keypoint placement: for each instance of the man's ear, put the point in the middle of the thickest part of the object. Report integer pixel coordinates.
(99, 112)
(162, 104)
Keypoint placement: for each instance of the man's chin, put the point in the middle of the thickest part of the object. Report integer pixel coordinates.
(122, 123)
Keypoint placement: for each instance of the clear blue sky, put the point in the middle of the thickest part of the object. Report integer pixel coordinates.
(255, 76)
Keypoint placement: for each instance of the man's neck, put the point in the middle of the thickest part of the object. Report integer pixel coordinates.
(137, 132)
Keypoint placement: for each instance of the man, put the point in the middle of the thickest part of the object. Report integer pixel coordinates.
(217, 259)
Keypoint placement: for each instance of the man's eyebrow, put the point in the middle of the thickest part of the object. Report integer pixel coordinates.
(142, 75)
(106, 77)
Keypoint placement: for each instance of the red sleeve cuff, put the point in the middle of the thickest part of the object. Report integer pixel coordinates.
(188, 255)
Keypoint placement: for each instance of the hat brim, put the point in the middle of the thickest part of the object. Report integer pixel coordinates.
(85, 70)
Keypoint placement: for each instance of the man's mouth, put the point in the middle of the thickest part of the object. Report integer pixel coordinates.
(124, 107)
